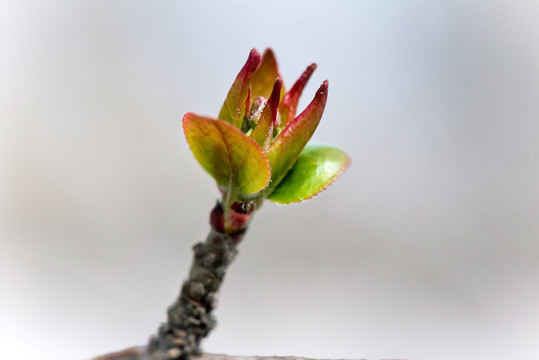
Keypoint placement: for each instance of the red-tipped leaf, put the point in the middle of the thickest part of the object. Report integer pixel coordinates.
(233, 109)
(263, 131)
(290, 101)
(265, 75)
(292, 139)
(228, 155)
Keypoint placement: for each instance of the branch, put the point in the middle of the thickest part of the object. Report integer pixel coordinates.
(138, 353)
(134, 353)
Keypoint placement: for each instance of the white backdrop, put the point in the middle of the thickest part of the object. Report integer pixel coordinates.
(426, 248)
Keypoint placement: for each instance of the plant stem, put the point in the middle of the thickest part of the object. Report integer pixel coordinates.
(190, 317)
(138, 354)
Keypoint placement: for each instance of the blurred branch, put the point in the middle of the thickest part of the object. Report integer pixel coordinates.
(138, 353)
(134, 353)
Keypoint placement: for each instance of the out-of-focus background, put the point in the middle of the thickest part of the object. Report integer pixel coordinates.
(427, 248)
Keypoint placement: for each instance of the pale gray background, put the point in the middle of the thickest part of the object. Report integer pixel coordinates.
(425, 249)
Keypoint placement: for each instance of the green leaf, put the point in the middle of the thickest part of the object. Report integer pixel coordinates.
(263, 131)
(288, 106)
(264, 76)
(234, 107)
(315, 169)
(233, 159)
(292, 139)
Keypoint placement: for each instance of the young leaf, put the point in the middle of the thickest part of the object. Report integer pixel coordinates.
(233, 159)
(288, 144)
(314, 170)
(233, 108)
(263, 131)
(265, 75)
(288, 106)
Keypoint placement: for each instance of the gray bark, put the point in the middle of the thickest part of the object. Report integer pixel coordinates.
(190, 318)
(139, 353)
